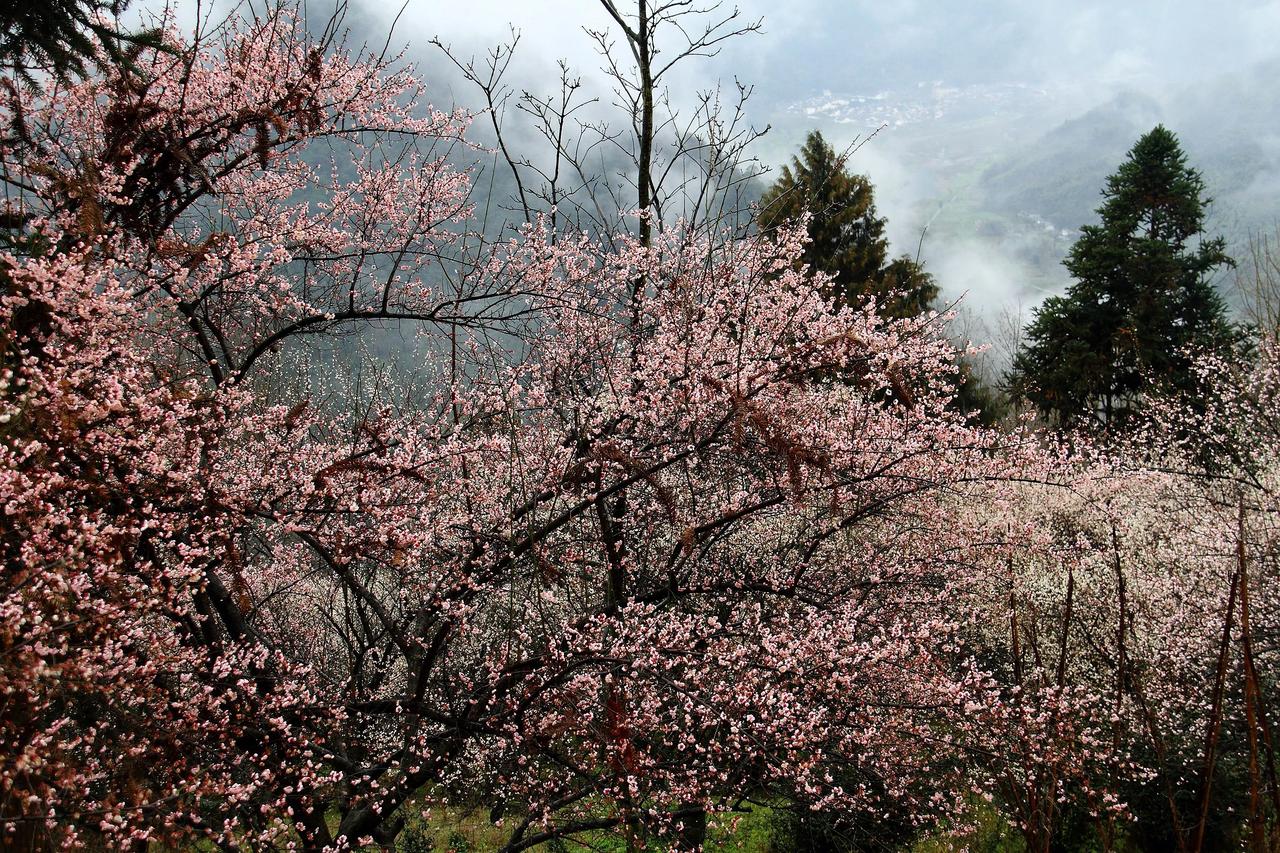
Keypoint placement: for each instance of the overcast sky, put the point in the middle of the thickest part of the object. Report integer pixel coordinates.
(1073, 55)
(1080, 52)
(1077, 55)
(873, 44)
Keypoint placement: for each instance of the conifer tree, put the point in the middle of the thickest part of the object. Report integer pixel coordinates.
(65, 38)
(1142, 300)
(846, 236)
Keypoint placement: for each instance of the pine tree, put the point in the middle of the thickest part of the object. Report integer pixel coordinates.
(846, 236)
(1142, 299)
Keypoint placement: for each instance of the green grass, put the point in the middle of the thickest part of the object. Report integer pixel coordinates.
(469, 830)
(462, 831)
(459, 831)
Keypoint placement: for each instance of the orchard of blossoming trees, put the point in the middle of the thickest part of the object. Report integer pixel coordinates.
(651, 532)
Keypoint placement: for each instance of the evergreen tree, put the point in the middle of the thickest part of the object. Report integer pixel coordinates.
(65, 38)
(846, 236)
(1142, 296)
(847, 241)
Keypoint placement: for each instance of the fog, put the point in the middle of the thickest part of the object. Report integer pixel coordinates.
(987, 128)
(957, 100)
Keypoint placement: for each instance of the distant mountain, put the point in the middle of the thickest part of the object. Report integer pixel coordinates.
(1229, 126)
(1059, 177)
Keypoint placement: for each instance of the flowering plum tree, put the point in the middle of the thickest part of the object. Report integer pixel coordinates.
(1142, 580)
(652, 529)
